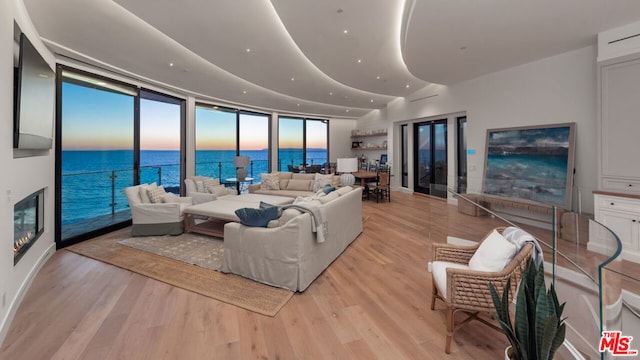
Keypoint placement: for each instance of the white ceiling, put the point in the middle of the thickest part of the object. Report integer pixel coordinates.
(295, 57)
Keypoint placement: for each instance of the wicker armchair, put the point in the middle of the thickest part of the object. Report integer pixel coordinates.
(468, 290)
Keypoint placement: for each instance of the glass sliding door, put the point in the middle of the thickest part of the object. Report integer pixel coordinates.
(431, 157)
(161, 139)
(404, 155)
(216, 141)
(253, 141)
(96, 144)
(462, 155)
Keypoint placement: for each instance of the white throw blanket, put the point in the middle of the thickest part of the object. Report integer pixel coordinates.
(520, 238)
(318, 219)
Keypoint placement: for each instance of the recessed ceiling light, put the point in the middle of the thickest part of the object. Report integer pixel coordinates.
(293, 79)
(248, 50)
(298, 105)
(244, 91)
(331, 93)
(171, 64)
(359, 61)
(378, 77)
(345, 31)
(347, 110)
(371, 100)
(407, 86)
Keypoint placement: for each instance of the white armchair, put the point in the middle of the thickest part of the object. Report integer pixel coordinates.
(196, 187)
(160, 218)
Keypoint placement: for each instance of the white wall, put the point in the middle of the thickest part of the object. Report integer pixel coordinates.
(557, 89)
(340, 138)
(21, 176)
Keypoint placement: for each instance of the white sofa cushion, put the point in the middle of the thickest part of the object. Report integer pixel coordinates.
(328, 197)
(439, 271)
(493, 254)
(343, 190)
(296, 184)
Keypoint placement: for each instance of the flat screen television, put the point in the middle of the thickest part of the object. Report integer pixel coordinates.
(34, 92)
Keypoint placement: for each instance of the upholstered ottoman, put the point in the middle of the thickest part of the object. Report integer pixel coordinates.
(223, 210)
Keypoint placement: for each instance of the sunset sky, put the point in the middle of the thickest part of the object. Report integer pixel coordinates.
(102, 120)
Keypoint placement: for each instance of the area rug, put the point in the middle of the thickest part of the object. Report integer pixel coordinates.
(228, 288)
(204, 251)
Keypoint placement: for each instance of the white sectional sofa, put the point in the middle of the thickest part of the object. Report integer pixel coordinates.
(288, 254)
(204, 189)
(292, 184)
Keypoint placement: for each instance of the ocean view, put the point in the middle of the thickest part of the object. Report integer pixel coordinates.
(88, 189)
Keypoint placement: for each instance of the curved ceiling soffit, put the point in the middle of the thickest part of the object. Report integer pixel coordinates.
(365, 54)
(311, 84)
(190, 82)
(312, 109)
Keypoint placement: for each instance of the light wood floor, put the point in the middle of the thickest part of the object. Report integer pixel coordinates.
(371, 303)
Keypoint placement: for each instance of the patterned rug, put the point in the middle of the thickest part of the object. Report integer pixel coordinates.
(228, 288)
(204, 251)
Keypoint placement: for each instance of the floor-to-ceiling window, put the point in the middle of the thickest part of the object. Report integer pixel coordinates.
(302, 144)
(317, 143)
(96, 146)
(216, 141)
(253, 141)
(430, 162)
(222, 133)
(102, 125)
(161, 140)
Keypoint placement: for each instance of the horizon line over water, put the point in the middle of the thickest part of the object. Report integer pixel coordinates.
(88, 186)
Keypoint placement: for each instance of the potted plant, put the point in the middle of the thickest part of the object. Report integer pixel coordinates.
(538, 329)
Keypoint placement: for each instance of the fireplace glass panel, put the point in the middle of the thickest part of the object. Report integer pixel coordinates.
(28, 223)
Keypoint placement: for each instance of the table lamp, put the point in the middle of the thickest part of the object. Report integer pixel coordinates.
(240, 162)
(345, 167)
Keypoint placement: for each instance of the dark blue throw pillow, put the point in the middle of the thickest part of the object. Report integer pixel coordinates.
(257, 217)
(327, 189)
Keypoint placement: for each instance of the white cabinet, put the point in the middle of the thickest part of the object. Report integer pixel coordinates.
(621, 214)
(619, 124)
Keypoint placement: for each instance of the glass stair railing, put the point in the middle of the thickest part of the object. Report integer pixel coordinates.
(601, 288)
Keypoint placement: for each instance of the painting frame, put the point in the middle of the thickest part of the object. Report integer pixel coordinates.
(534, 163)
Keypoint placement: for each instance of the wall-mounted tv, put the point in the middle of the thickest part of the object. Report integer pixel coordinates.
(34, 95)
(531, 162)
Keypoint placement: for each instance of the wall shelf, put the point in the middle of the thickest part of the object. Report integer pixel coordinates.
(370, 148)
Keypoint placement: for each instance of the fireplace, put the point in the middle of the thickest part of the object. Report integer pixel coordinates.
(28, 223)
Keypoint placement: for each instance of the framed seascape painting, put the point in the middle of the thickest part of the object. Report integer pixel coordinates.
(532, 162)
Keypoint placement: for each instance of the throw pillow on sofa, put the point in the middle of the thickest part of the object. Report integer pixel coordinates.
(321, 180)
(257, 217)
(270, 181)
(218, 190)
(156, 194)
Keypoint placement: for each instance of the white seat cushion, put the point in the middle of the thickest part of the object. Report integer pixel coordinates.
(493, 254)
(439, 271)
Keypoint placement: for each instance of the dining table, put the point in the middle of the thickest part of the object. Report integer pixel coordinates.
(365, 176)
